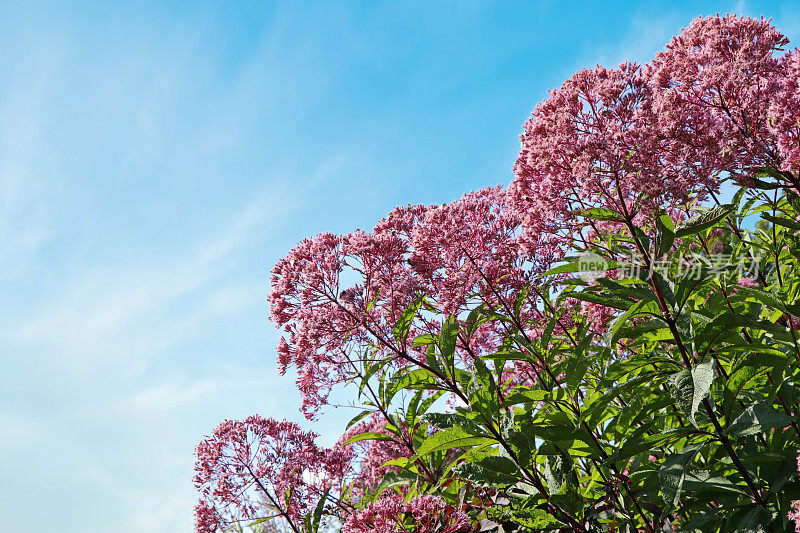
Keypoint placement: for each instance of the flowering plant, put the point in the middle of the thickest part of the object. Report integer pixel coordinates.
(541, 357)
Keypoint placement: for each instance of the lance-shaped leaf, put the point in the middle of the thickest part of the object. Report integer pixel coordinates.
(689, 388)
(754, 519)
(757, 419)
(370, 435)
(666, 235)
(403, 325)
(447, 340)
(489, 471)
(454, 437)
(312, 521)
(672, 474)
(705, 220)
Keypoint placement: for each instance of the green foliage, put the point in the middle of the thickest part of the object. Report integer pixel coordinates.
(681, 410)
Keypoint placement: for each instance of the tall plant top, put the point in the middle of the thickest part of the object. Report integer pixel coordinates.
(607, 344)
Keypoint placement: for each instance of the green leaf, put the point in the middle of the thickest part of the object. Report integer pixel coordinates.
(672, 474)
(637, 331)
(370, 435)
(424, 339)
(447, 340)
(788, 223)
(535, 519)
(575, 369)
(756, 519)
(555, 473)
(594, 297)
(419, 378)
(356, 418)
(689, 388)
(428, 402)
(702, 221)
(371, 371)
(702, 522)
(665, 222)
(403, 325)
(392, 479)
(434, 361)
(666, 235)
(786, 472)
(750, 367)
(521, 396)
(766, 298)
(454, 437)
(612, 334)
(317, 516)
(483, 392)
(704, 481)
(562, 482)
(449, 420)
(489, 471)
(413, 404)
(757, 418)
(601, 213)
(634, 446)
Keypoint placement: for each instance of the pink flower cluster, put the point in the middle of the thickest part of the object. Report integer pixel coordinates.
(588, 144)
(391, 514)
(370, 455)
(717, 100)
(794, 514)
(337, 298)
(784, 116)
(245, 470)
(713, 85)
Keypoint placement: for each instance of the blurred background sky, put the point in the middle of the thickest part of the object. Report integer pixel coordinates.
(157, 158)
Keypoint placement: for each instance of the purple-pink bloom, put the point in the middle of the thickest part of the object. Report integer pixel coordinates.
(784, 115)
(337, 298)
(390, 513)
(714, 89)
(246, 468)
(595, 143)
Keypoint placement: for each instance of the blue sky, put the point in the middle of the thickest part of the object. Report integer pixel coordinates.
(156, 159)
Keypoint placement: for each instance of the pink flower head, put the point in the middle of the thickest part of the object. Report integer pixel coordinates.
(245, 470)
(337, 298)
(370, 455)
(459, 247)
(794, 514)
(594, 143)
(713, 86)
(784, 119)
(390, 514)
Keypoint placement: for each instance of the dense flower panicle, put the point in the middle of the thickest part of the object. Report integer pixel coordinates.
(326, 315)
(794, 513)
(459, 247)
(594, 143)
(784, 115)
(369, 456)
(244, 469)
(390, 513)
(713, 86)
(338, 297)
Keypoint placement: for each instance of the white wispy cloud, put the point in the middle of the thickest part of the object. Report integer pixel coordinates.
(24, 213)
(171, 396)
(646, 34)
(98, 313)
